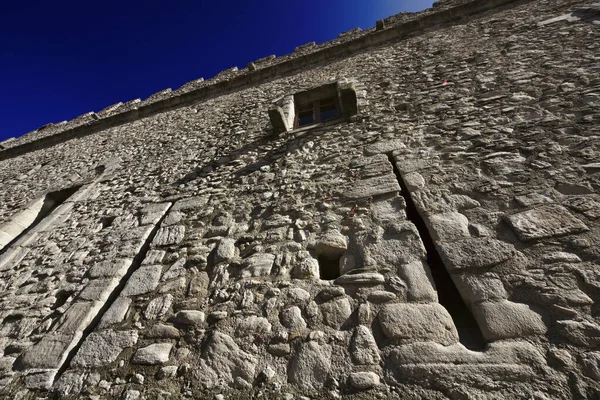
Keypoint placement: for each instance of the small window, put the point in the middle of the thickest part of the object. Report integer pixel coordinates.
(316, 112)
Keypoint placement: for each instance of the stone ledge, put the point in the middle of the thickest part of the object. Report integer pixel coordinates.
(445, 18)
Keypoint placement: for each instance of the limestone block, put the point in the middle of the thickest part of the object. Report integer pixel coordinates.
(419, 283)
(99, 289)
(311, 365)
(158, 307)
(505, 320)
(116, 313)
(253, 326)
(102, 348)
(176, 270)
(475, 253)
(373, 187)
(581, 333)
(155, 354)
(143, 280)
(77, 317)
(190, 317)
(49, 352)
(504, 352)
(384, 147)
(366, 279)
(331, 244)
(169, 235)
(259, 264)
(363, 348)
(307, 268)
(110, 268)
(363, 380)
(291, 318)
(418, 322)
(225, 250)
(162, 331)
(278, 119)
(448, 227)
(476, 288)
(414, 181)
(224, 362)
(545, 221)
(336, 312)
(152, 213)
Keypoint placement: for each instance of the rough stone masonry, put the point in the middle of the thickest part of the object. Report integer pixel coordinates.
(437, 238)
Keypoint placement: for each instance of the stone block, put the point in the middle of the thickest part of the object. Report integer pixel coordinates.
(448, 227)
(418, 323)
(155, 354)
(102, 348)
(143, 280)
(506, 320)
(475, 253)
(544, 222)
(169, 235)
(374, 187)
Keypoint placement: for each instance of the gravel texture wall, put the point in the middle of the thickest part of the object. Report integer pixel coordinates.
(441, 243)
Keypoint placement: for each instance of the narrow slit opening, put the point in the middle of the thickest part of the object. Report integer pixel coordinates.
(449, 297)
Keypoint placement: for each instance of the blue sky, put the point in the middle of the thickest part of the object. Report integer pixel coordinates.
(61, 59)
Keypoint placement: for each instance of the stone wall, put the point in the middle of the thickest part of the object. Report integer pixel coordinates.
(441, 243)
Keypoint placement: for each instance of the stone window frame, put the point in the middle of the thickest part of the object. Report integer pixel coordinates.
(283, 112)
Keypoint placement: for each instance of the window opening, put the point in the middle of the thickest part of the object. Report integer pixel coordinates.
(317, 111)
(329, 267)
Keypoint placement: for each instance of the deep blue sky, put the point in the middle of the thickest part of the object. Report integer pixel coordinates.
(60, 59)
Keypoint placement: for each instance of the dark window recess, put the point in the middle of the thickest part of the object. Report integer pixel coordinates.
(329, 267)
(51, 202)
(317, 111)
(448, 295)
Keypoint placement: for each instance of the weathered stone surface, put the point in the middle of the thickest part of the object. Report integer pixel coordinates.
(47, 353)
(155, 354)
(546, 221)
(169, 235)
(488, 117)
(363, 347)
(418, 322)
(259, 264)
(190, 317)
(373, 187)
(363, 380)
(310, 367)
(368, 278)
(158, 307)
(116, 313)
(143, 280)
(420, 286)
(291, 318)
(475, 253)
(253, 326)
(225, 251)
(222, 359)
(449, 227)
(103, 348)
(336, 312)
(504, 320)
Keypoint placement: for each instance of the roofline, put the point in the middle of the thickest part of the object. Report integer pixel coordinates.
(256, 75)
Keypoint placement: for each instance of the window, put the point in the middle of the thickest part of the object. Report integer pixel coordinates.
(316, 112)
(323, 103)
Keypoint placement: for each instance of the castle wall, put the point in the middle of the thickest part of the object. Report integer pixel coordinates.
(456, 213)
